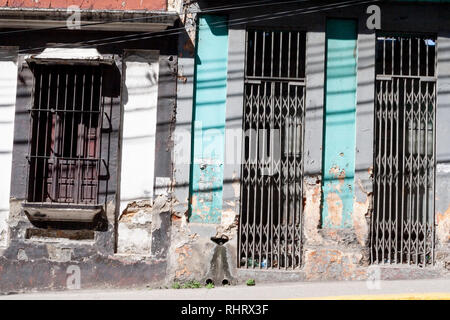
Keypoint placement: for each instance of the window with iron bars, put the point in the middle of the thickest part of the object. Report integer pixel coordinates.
(402, 227)
(65, 134)
(272, 170)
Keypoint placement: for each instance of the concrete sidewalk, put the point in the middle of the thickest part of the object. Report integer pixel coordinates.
(409, 289)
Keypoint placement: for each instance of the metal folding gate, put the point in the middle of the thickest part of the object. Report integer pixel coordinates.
(272, 169)
(402, 227)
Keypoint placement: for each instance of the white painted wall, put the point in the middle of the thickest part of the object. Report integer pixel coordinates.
(140, 97)
(8, 84)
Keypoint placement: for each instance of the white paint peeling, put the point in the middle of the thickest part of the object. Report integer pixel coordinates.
(140, 97)
(443, 168)
(70, 54)
(8, 84)
(134, 241)
(162, 185)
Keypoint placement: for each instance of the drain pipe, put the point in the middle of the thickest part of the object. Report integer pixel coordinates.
(219, 272)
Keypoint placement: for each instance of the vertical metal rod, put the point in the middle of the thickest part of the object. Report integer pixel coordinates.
(384, 56)
(263, 177)
(250, 164)
(397, 153)
(271, 180)
(434, 170)
(287, 182)
(392, 55)
(82, 141)
(45, 160)
(57, 142)
(426, 188)
(254, 55)
(298, 53)
(419, 127)
(391, 164)
(263, 54)
(405, 114)
(281, 54)
(411, 161)
(71, 162)
(272, 54)
(289, 57)
(30, 133)
(378, 169)
(418, 57)
(426, 63)
(401, 56)
(386, 123)
(92, 178)
(100, 130)
(63, 142)
(36, 152)
(410, 57)
(256, 185)
(280, 182)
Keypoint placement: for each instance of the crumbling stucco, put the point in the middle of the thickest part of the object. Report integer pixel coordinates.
(361, 216)
(333, 264)
(443, 227)
(3, 228)
(312, 198)
(58, 254)
(137, 223)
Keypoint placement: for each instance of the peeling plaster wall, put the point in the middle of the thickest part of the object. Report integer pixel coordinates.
(8, 85)
(139, 99)
(88, 4)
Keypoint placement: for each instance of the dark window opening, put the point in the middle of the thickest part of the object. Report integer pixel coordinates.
(65, 137)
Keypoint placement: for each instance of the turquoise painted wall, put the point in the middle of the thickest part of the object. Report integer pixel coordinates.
(339, 123)
(209, 119)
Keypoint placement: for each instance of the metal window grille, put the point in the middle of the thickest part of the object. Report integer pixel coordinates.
(402, 227)
(272, 169)
(66, 124)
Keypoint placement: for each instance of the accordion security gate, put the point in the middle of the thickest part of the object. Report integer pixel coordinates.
(402, 227)
(272, 169)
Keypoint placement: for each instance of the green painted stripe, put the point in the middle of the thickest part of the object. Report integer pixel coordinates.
(339, 123)
(209, 119)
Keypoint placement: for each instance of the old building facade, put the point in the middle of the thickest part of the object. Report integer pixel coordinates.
(160, 141)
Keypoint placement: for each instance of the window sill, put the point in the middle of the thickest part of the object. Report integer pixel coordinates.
(38, 211)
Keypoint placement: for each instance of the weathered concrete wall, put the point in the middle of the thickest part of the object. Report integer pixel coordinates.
(89, 4)
(8, 85)
(40, 259)
(143, 225)
(328, 253)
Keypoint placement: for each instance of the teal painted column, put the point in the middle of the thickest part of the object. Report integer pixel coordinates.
(209, 119)
(339, 128)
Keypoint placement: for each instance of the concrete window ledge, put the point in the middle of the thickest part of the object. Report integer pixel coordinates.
(61, 212)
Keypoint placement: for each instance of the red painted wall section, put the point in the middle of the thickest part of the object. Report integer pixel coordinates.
(88, 4)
